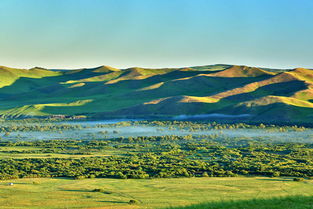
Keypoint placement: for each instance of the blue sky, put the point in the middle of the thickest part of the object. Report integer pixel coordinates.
(156, 33)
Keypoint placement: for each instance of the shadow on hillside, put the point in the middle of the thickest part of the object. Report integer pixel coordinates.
(195, 86)
(277, 89)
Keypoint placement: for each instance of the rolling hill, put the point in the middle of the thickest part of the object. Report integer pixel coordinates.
(212, 91)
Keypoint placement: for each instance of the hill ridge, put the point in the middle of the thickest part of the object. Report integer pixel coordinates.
(163, 92)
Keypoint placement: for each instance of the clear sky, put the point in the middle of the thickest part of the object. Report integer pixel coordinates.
(156, 33)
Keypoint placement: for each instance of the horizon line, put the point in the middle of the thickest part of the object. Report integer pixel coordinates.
(175, 66)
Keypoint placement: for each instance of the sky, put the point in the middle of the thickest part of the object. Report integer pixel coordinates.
(156, 33)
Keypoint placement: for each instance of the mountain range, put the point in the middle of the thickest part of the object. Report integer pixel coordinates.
(212, 91)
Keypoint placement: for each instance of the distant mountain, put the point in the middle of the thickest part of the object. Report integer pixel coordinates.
(212, 91)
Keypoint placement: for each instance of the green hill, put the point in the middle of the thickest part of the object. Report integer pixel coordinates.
(10, 75)
(222, 91)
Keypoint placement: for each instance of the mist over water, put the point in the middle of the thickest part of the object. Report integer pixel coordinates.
(90, 131)
(212, 115)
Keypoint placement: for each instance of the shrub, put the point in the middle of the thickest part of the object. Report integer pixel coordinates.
(79, 177)
(92, 176)
(205, 174)
(98, 190)
(276, 174)
(298, 179)
(132, 202)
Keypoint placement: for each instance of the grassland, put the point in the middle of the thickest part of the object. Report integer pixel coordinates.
(150, 193)
(10, 75)
(106, 170)
(290, 202)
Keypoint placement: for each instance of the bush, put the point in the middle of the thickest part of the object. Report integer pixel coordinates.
(92, 176)
(98, 190)
(79, 177)
(298, 179)
(276, 174)
(205, 174)
(132, 202)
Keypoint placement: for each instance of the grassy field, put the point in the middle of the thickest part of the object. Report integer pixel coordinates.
(291, 202)
(150, 193)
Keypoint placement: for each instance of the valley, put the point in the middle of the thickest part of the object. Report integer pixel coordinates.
(218, 136)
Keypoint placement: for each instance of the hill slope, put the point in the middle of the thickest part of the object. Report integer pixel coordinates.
(218, 91)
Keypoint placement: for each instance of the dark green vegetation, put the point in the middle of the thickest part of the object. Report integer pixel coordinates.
(201, 155)
(292, 202)
(162, 164)
(216, 91)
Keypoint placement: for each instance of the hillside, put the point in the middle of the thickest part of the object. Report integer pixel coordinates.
(213, 91)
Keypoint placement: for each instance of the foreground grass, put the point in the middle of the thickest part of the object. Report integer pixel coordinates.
(48, 193)
(292, 202)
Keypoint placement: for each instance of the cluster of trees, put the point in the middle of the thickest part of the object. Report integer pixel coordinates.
(147, 157)
(38, 127)
(141, 139)
(205, 125)
(154, 156)
(7, 127)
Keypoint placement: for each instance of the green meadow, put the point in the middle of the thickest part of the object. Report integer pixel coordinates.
(290, 202)
(57, 193)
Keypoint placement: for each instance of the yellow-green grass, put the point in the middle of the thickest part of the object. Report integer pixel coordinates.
(154, 86)
(242, 71)
(105, 77)
(303, 74)
(306, 94)
(278, 99)
(10, 75)
(38, 109)
(137, 73)
(150, 193)
(290, 202)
